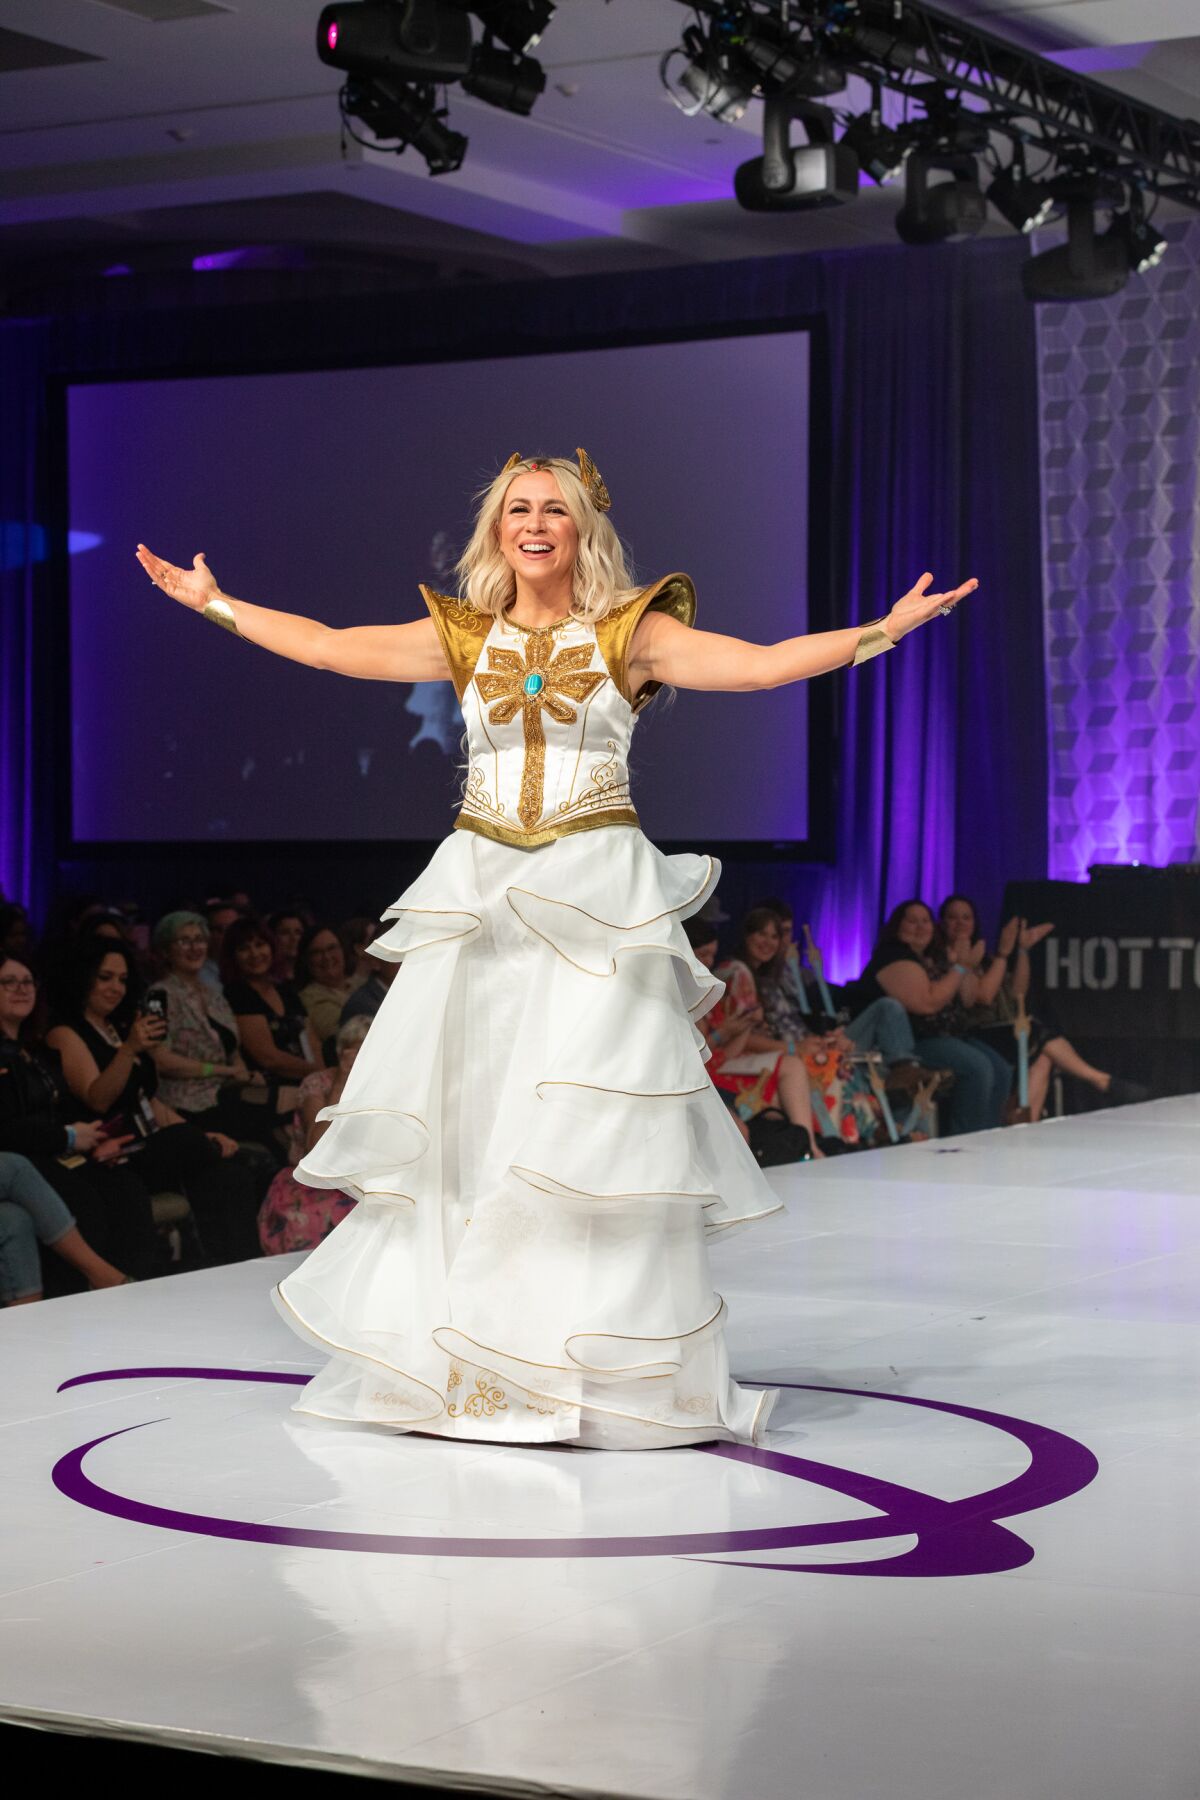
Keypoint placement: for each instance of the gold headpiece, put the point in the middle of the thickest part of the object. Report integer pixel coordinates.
(589, 474)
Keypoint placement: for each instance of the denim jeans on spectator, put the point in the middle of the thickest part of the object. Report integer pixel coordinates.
(23, 1190)
(20, 1266)
(983, 1081)
(886, 1027)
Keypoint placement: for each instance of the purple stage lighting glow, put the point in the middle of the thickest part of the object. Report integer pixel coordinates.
(331, 34)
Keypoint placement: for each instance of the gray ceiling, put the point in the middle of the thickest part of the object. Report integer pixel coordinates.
(183, 128)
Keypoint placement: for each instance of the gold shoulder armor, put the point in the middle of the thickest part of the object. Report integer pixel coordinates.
(674, 594)
(462, 629)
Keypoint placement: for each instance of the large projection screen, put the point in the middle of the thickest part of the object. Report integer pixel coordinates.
(333, 493)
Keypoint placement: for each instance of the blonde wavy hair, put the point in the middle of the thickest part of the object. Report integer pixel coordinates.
(602, 577)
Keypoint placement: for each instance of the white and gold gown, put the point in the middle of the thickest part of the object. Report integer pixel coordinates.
(538, 1154)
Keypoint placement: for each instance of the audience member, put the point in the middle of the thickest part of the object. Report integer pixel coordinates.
(368, 997)
(220, 915)
(105, 1045)
(846, 1104)
(910, 964)
(68, 1149)
(357, 935)
(293, 1216)
(994, 1010)
(50, 1223)
(286, 928)
(270, 1016)
(323, 979)
(764, 1079)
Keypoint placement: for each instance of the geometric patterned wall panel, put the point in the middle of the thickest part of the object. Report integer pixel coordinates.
(1120, 445)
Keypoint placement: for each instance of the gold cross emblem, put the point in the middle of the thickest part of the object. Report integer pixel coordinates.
(514, 684)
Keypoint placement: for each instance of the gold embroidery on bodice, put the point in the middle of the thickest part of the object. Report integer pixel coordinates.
(541, 679)
(548, 714)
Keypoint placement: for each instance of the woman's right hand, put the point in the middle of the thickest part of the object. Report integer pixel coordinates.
(146, 1031)
(193, 587)
(88, 1133)
(111, 1149)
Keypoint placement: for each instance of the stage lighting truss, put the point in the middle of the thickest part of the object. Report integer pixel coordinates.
(395, 53)
(957, 83)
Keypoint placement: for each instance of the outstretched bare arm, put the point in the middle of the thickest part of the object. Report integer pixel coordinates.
(409, 652)
(665, 650)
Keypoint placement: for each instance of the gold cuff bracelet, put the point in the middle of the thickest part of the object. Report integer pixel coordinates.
(221, 613)
(873, 641)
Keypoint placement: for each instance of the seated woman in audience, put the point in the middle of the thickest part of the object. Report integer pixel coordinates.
(910, 964)
(286, 928)
(324, 982)
(105, 1044)
(744, 1060)
(357, 935)
(270, 1016)
(48, 1221)
(845, 1102)
(199, 1057)
(995, 1006)
(294, 1217)
(69, 1149)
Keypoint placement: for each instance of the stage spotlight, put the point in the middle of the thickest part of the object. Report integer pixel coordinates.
(1144, 247)
(396, 110)
(1086, 267)
(517, 23)
(952, 209)
(783, 179)
(426, 40)
(504, 79)
(795, 66)
(880, 150)
(712, 78)
(1025, 204)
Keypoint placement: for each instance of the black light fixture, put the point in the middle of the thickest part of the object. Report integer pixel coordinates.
(403, 110)
(954, 208)
(419, 40)
(787, 179)
(517, 23)
(880, 150)
(504, 78)
(794, 64)
(713, 76)
(1026, 204)
(1086, 267)
(1144, 246)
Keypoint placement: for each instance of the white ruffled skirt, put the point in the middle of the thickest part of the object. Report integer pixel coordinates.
(539, 1158)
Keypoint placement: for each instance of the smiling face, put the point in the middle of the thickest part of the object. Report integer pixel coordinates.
(762, 945)
(916, 928)
(958, 920)
(537, 536)
(254, 959)
(187, 953)
(108, 986)
(326, 960)
(18, 994)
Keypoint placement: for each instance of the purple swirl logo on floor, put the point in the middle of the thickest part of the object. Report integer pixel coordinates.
(953, 1537)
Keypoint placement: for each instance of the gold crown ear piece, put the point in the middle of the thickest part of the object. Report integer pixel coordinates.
(592, 481)
(512, 462)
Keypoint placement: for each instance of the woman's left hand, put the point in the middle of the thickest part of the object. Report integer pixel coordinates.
(1006, 943)
(918, 606)
(226, 1145)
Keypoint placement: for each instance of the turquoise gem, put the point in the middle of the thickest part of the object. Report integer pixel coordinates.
(533, 684)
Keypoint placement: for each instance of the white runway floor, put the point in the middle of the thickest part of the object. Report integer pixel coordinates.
(899, 1600)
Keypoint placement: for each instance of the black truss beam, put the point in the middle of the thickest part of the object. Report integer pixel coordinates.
(902, 44)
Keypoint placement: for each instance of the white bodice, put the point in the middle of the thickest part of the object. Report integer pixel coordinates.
(549, 715)
(548, 734)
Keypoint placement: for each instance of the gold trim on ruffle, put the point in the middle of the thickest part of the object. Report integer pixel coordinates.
(580, 1368)
(360, 1355)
